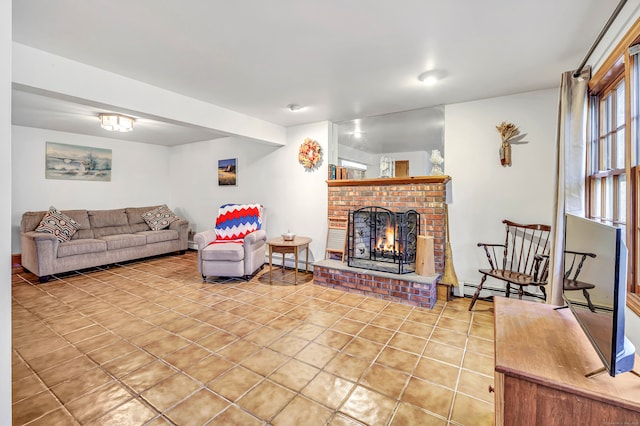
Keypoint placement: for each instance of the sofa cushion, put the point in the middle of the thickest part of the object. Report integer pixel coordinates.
(58, 224)
(84, 246)
(230, 251)
(160, 236)
(134, 214)
(160, 217)
(120, 241)
(82, 217)
(104, 218)
(235, 221)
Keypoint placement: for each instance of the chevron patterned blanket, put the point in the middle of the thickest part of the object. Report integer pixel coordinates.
(235, 221)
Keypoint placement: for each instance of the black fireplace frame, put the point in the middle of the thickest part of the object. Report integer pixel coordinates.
(365, 226)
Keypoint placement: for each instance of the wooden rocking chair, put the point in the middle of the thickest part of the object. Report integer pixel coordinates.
(518, 261)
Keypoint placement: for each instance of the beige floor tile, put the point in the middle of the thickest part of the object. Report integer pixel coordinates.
(110, 352)
(99, 402)
(235, 383)
(265, 361)
(333, 339)
(302, 412)
(132, 412)
(266, 399)
(294, 374)
(186, 356)
(376, 334)
(481, 346)
(479, 363)
(128, 363)
(316, 355)
(400, 360)
(235, 416)
(147, 376)
(385, 380)
(408, 343)
(199, 408)
(387, 321)
(449, 337)
(33, 407)
(471, 411)
(57, 417)
(431, 397)
(217, 340)
(348, 326)
(66, 371)
(85, 333)
(445, 353)
(289, 345)
(328, 390)
(307, 331)
(363, 348)
(340, 419)
(239, 350)
(85, 383)
(475, 385)
(230, 336)
(408, 414)
(26, 387)
(437, 372)
(369, 407)
(417, 329)
(347, 366)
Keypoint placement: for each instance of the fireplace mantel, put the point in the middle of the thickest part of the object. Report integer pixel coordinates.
(390, 181)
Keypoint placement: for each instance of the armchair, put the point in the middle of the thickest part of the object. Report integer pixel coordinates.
(237, 245)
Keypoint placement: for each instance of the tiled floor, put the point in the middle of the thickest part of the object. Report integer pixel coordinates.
(149, 343)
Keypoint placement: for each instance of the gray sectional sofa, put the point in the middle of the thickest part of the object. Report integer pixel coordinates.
(104, 237)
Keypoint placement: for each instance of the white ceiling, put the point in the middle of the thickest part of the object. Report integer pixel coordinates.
(341, 59)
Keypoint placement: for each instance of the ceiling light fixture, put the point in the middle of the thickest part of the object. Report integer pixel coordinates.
(431, 77)
(116, 122)
(294, 107)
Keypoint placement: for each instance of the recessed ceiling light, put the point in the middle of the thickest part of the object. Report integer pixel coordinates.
(294, 107)
(431, 77)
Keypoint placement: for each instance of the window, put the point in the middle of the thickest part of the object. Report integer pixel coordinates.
(607, 175)
(613, 161)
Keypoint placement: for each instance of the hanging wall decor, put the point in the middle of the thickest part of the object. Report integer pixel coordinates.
(310, 154)
(75, 162)
(507, 132)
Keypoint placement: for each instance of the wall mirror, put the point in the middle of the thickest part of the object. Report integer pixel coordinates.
(407, 138)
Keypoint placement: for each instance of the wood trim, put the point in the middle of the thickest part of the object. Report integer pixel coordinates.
(16, 263)
(633, 302)
(389, 181)
(608, 69)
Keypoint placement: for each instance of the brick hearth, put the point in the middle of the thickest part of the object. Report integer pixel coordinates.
(424, 194)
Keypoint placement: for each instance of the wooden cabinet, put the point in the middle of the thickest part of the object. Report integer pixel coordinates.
(542, 356)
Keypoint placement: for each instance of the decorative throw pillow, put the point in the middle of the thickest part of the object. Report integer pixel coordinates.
(160, 218)
(235, 221)
(58, 224)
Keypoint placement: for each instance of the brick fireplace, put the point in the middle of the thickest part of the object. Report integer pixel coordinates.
(424, 194)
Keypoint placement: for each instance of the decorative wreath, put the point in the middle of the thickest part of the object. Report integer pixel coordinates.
(310, 154)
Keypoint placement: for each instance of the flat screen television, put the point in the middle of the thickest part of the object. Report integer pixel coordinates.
(601, 310)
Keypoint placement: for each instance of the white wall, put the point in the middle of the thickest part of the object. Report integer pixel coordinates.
(483, 192)
(140, 176)
(295, 199)
(5, 214)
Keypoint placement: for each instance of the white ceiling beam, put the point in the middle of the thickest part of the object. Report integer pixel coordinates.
(45, 71)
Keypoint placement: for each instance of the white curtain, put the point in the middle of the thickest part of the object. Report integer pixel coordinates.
(570, 169)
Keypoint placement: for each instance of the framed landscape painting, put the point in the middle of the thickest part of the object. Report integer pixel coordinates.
(227, 171)
(74, 162)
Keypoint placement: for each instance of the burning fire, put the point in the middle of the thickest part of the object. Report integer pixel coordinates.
(386, 240)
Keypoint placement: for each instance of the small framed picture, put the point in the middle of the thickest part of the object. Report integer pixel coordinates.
(227, 171)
